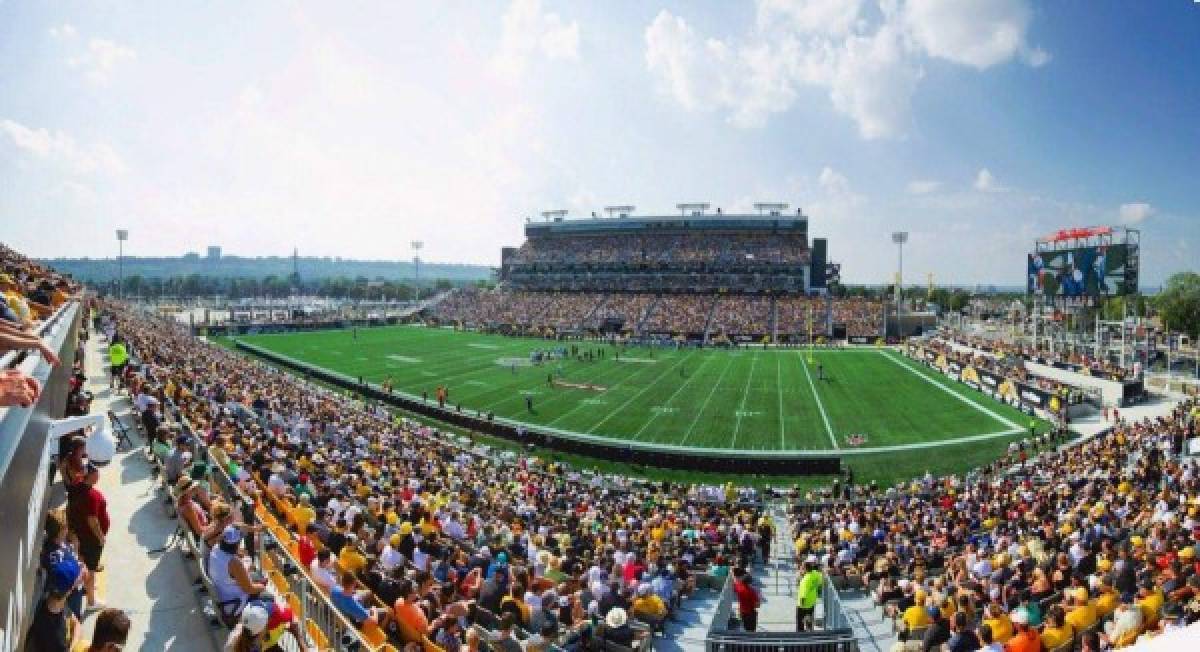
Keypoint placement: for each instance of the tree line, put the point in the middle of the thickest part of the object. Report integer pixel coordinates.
(274, 286)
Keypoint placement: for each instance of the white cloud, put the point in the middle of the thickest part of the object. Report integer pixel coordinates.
(977, 33)
(810, 16)
(671, 54)
(922, 186)
(527, 31)
(1036, 57)
(1135, 212)
(985, 181)
(837, 190)
(874, 83)
(100, 59)
(64, 31)
(868, 56)
(61, 149)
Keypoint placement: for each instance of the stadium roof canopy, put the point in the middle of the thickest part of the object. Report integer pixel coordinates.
(560, 225)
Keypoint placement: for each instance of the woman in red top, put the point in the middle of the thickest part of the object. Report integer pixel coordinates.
(747, 598)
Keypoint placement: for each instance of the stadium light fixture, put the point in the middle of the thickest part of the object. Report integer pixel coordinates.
(621, 211)
(899, 238)
(417, 245)
(776, 208)
(697, 208)
(122, 236)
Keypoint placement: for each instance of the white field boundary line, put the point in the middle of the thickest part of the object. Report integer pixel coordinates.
(643, 391)
(779, 393)
(741, 410)
(638, 434)
(1006, 421)
(785, 454)
(896, 448)
(820, 405)
(704, 405)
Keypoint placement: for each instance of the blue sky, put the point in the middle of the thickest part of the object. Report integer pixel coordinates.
(977, 126)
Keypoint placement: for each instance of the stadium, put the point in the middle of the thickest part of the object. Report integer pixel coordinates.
(339, 331)
(698, 341)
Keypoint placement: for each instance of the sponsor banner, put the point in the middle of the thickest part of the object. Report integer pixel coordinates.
(860, 339)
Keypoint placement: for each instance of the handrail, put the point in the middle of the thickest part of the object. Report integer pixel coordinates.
(43, 329)
(333, 623)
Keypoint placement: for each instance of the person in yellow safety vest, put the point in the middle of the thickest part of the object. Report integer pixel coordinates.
(118, 356)
(807, 592)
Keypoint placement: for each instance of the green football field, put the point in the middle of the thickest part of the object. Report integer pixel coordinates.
(748, 399)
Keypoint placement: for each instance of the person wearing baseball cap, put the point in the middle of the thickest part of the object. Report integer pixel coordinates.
(1025, 638)
(251, 630)
(53, 622)
(232, 581)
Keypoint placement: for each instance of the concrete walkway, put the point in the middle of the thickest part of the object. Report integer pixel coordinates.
(153, 588)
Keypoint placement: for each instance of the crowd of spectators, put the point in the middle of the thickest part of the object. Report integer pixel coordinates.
(668, 313)
(1076, 361)
(628, 309)
(406, 532)
(679, 314)
(664, 249)
(29, 293)
(1010, 367)
(742, 315)
(1098, 541)
(75, 534)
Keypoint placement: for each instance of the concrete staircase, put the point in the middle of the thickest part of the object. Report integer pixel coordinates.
(777, 577)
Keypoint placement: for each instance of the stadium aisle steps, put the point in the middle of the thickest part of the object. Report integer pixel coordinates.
(777, 578)
(154, 589)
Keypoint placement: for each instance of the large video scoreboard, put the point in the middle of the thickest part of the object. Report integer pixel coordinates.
(1092, 271)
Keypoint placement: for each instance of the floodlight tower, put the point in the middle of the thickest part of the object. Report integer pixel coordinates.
(122, 236)
(899, 238)
(417, 245)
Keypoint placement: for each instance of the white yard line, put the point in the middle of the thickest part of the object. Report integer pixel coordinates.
(696, 419)
(779, 392)
(644, 390)
(1006, 421)
(745, 392)
(638, 434)
(820, 405)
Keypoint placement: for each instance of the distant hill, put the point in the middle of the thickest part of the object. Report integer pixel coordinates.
(100, 270)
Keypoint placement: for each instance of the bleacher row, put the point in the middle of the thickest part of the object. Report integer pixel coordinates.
(322, 624)
(276, 559)
(695, 314)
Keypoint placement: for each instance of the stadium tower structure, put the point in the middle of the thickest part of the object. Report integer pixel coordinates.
(760, 257)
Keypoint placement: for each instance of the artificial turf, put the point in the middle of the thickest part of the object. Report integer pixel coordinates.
(746, 399)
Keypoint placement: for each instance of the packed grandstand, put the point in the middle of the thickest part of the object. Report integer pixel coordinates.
(697, 277)
(318, 520)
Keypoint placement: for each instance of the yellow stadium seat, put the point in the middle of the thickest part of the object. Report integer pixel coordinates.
(280, 582)
(293, 602)
(316, 635)
(374, 636)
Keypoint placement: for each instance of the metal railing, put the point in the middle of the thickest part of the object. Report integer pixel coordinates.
(831, 606)
(313, 605)
(25, 449)
(836, 635)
